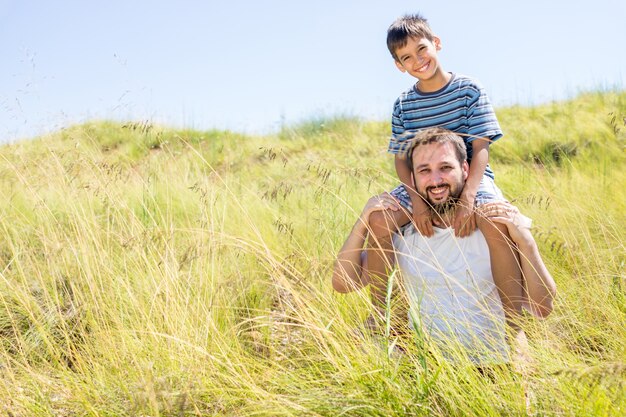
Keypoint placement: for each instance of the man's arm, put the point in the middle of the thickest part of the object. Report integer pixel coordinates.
(348, 271)
(540, 288)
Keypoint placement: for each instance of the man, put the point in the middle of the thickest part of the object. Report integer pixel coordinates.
(452, 297)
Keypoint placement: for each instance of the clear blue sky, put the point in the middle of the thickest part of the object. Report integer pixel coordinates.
(252, 65)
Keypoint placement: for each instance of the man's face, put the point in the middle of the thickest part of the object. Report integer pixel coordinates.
(439, 177)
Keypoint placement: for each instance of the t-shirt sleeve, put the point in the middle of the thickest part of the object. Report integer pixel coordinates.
(481, 117)
(397, 142)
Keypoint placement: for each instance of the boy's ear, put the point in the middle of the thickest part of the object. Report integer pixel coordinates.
(437, 43)
(399, 66)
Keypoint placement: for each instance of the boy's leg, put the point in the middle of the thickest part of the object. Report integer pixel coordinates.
(382, 226)
(505, 268)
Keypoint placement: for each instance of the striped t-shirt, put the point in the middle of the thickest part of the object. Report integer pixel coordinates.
(461, 106)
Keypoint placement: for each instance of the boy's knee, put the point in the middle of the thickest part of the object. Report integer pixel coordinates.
(381, 223)
(491, 229)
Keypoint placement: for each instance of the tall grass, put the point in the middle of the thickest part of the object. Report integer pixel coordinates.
(145, 271)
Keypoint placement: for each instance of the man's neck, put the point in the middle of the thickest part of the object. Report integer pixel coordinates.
(443, 221)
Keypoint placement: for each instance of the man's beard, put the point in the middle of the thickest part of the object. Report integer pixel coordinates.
(446, 207)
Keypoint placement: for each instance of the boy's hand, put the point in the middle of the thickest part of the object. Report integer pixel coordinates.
(381, 202)
(464, 219)
(505, 213)
(423, 222)
(421, 216)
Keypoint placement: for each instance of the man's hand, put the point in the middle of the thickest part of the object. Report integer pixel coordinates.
(464, 220)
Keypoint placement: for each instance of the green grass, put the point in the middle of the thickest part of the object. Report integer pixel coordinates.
(148, 271)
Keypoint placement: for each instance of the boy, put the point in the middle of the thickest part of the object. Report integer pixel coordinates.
(457, 103)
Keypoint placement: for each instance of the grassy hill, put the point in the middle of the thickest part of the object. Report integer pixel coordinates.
(150, 271)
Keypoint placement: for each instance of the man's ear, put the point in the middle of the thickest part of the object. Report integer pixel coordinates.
(399, 65)
(465, 168)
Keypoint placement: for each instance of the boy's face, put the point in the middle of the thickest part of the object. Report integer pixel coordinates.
(419, 58)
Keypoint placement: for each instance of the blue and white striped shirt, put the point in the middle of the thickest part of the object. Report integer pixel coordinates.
(461, 106)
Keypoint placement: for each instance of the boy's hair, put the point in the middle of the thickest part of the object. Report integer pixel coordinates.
(437, 135)
(405, 27)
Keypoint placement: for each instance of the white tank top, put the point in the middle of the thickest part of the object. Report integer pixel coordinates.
(453, 298)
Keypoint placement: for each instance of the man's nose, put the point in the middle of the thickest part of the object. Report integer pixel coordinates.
(436, 177)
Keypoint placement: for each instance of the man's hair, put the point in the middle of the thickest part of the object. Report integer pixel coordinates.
(405, 27)
(437, 135)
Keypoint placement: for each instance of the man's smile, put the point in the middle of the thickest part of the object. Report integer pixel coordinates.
(439, 190)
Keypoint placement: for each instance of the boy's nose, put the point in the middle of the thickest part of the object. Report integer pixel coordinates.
(419, 61)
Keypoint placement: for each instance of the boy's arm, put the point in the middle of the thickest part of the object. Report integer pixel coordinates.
(464, 221)
(421, 212)
(484, 127)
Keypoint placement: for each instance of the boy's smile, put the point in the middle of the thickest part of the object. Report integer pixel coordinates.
(419, 58)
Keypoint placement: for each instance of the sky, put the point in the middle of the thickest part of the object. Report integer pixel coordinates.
(255, 66)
